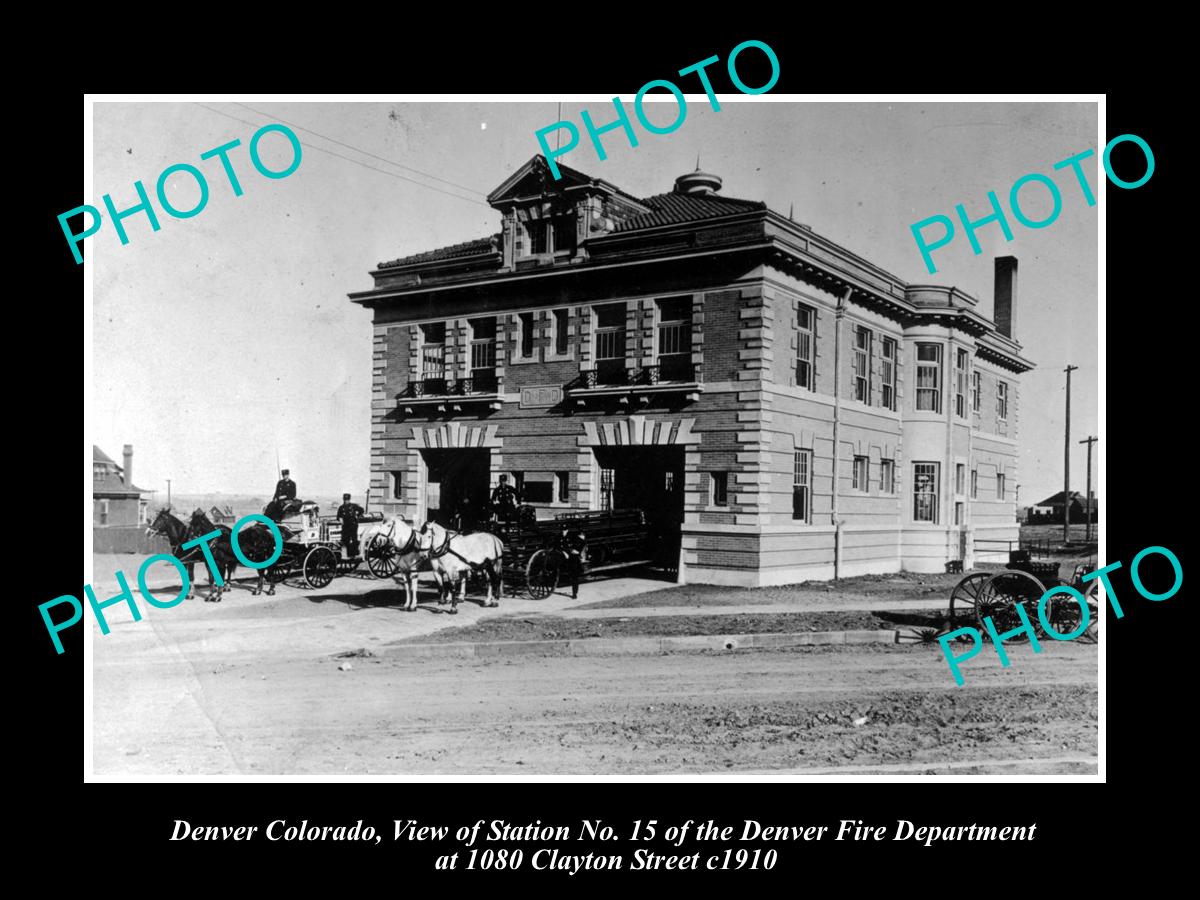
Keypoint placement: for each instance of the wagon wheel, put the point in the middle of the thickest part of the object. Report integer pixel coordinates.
(320, 565)
(541, 574)
(1092, 595)
(382, 558)
(277, 573)
(999, 596)
(962, 598)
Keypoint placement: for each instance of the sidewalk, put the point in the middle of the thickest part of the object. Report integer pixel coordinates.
(830, 604)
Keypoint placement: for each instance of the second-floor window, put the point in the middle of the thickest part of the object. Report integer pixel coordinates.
(961, 359)
(887, 373)
(805, 319)
(483, 353)
(560, 331)
(610, 342)
(1002, 400)
(887, 476)
(862, 364)
(1000, 486)
(433, 355)
(526, 321)
(974, 484)
(929, 377)
(976, 390)
(960, 475)
(675, 339)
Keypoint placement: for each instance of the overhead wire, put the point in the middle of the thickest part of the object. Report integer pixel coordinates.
(349, 159)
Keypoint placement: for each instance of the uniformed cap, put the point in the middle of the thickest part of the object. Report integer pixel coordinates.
(287, 471)
(345, 496)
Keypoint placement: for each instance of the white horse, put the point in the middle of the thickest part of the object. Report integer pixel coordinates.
(455, 557)
(405, 545)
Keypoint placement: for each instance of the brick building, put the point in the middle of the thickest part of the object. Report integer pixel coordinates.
(116, 501)
(700, 357)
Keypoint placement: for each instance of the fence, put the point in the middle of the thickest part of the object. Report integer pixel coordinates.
(127, 539)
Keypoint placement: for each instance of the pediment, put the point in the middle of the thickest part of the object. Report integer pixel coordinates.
(534, 180)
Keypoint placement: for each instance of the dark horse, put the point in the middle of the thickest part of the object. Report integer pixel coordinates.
(178, 534)
(256, 542)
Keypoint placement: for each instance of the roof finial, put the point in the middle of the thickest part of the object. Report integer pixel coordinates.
(791, 210)
(697, 162)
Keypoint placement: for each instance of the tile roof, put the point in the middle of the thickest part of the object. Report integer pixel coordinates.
(672, 209)
(665, 209)
(99, 456)
(454, 251)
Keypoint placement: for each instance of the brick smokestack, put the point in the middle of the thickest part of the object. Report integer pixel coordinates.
(1005, 310)
(128, 464)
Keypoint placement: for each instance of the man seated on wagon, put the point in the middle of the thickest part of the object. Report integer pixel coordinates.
(283, 501)
(348, 513)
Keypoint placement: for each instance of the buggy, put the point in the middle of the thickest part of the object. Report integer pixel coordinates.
(1024, 581)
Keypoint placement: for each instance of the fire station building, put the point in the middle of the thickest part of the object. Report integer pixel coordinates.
(781, 408)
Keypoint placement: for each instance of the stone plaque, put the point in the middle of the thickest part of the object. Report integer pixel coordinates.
(541, 397)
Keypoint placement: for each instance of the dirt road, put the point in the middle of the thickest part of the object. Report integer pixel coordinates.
(176, 713)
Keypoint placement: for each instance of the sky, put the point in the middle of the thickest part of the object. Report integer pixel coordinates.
(225, 342)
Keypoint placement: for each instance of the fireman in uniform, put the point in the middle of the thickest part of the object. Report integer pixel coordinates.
(348, 513)
(505, 499)
(285, 493)
(574, 549)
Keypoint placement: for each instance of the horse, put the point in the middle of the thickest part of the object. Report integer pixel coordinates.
(177, 534)
(256, 543)
(407, 555)
(454, 557)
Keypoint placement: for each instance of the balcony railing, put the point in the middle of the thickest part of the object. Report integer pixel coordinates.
(668, 370)
(481, 381)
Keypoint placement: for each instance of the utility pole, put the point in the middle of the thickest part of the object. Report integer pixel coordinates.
(168, 493)
(1067, 463)
(1088, 516)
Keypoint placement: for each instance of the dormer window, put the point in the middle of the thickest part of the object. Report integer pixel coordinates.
(551, 235)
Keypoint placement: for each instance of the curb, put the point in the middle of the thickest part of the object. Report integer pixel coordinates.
(632, 646)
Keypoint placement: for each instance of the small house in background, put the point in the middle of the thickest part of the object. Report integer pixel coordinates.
(222, 515)
(119, 510)
(116, 500)
(1050, 510)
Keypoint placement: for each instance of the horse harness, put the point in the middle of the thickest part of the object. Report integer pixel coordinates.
(445, 548)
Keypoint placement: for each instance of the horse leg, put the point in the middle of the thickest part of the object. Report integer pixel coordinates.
(494, 585)
(412, 582)
(191, 573)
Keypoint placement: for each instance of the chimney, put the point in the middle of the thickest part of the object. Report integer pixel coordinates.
(128, 465)
(1005, 313)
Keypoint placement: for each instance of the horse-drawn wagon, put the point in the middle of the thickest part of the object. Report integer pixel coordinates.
(1023, 582)
(313, 548)
(535, 560)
